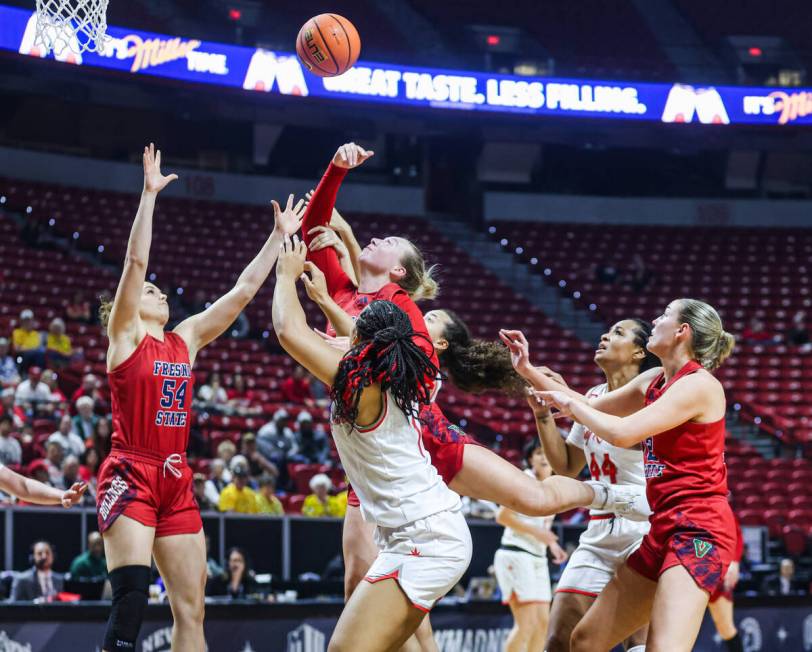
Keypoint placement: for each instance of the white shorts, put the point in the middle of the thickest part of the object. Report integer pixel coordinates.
(426, 557)
(602, 549)
(523, 575)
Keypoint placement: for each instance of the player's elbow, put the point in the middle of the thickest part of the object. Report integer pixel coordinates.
(134, 261)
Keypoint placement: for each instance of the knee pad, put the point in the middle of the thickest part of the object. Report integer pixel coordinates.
(130, 586)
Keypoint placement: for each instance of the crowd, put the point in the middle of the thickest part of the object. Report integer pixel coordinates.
(58, 436)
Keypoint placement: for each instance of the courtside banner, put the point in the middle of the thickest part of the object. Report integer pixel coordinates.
(772, 629)
(281, 73)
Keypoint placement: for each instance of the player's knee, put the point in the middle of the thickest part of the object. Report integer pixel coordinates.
(558, 641)
(188, 609)
(130, 586)
(580, 639)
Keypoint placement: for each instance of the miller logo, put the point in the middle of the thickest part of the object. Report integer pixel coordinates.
(792, 106)
(314, 49)
(155, 51)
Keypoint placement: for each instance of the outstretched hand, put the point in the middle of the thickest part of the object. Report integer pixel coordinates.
(519, 350)
(74, 494)
(315, 284)
(350, 156)
(154, 181)
(291, 261)
(559, 400)
(288, 221)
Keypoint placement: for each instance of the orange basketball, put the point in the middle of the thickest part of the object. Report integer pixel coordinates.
(328, 45)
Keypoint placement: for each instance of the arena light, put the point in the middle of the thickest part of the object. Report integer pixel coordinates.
(520, 250)
(503, 242)
(234, 14)
(593, 307)
(755, 51)
(493, 39)
(491, 229)
(534, 261)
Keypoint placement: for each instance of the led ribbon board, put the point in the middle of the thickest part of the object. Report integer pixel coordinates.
(281, 73)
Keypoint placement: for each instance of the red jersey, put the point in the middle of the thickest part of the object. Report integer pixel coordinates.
(686, 462)
(340, 287)
(151, 393)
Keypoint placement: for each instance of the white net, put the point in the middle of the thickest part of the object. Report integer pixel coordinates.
(76, 25)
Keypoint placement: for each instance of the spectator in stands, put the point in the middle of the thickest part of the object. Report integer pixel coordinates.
(91, 386)
(27, 341)
(312, 444)
(213, 568)
(38, 469)
(639, 276)
(10, 450)
(238, 581)
(8, 406)
(756, 332)
(101, 438)
(296, 388)
(267, 502)
(238, 496)
(239, 397)
(58, 347)
(320, 502)
(70, 472)
(89, 467)
(72, 443)
(219, 477)
(798, 332)
(784, 582)
(59, 401)
(226, 450)
(91, 564)
(33, 395)
(319, 392)
(199, 490)
(212, 395)
(276, 440)
(257, 462)
(54, 459)
(39, 583)
(79, 309)
(9, 376)
(84, 423)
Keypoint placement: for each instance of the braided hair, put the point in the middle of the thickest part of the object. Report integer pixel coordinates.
(476, 365)
(385, 354)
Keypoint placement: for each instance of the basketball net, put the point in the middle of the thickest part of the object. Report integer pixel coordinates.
(77, 25)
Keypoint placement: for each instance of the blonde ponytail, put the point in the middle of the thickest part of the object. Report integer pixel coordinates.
(711, 344)
(418, 281)
(105, 308)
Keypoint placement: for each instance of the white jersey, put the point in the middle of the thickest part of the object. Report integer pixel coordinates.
(607, 464)
(524, 541)
(390, 471)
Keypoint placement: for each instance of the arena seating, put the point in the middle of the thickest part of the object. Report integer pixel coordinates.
(743, 272)
(204, 245)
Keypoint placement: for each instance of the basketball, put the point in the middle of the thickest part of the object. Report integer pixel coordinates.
(328, 45)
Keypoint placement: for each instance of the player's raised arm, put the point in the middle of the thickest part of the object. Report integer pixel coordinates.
(124, 322)
(320, 209)
(316, 288)
(198, 330)
(290, 322)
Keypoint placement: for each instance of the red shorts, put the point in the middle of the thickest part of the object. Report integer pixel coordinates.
(700, 536)
(139, 485)
(721, 593)
(443, 441)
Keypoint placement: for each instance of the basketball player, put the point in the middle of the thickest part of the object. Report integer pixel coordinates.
(678, 413)
(39, 493)
(521, 565)
(721, 602)
(377, 388)
(145, 503)
(609, 538)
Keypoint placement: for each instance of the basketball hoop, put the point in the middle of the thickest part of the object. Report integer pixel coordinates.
(77, 25)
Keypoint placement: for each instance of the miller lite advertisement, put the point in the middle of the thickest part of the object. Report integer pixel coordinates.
(282, 74)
